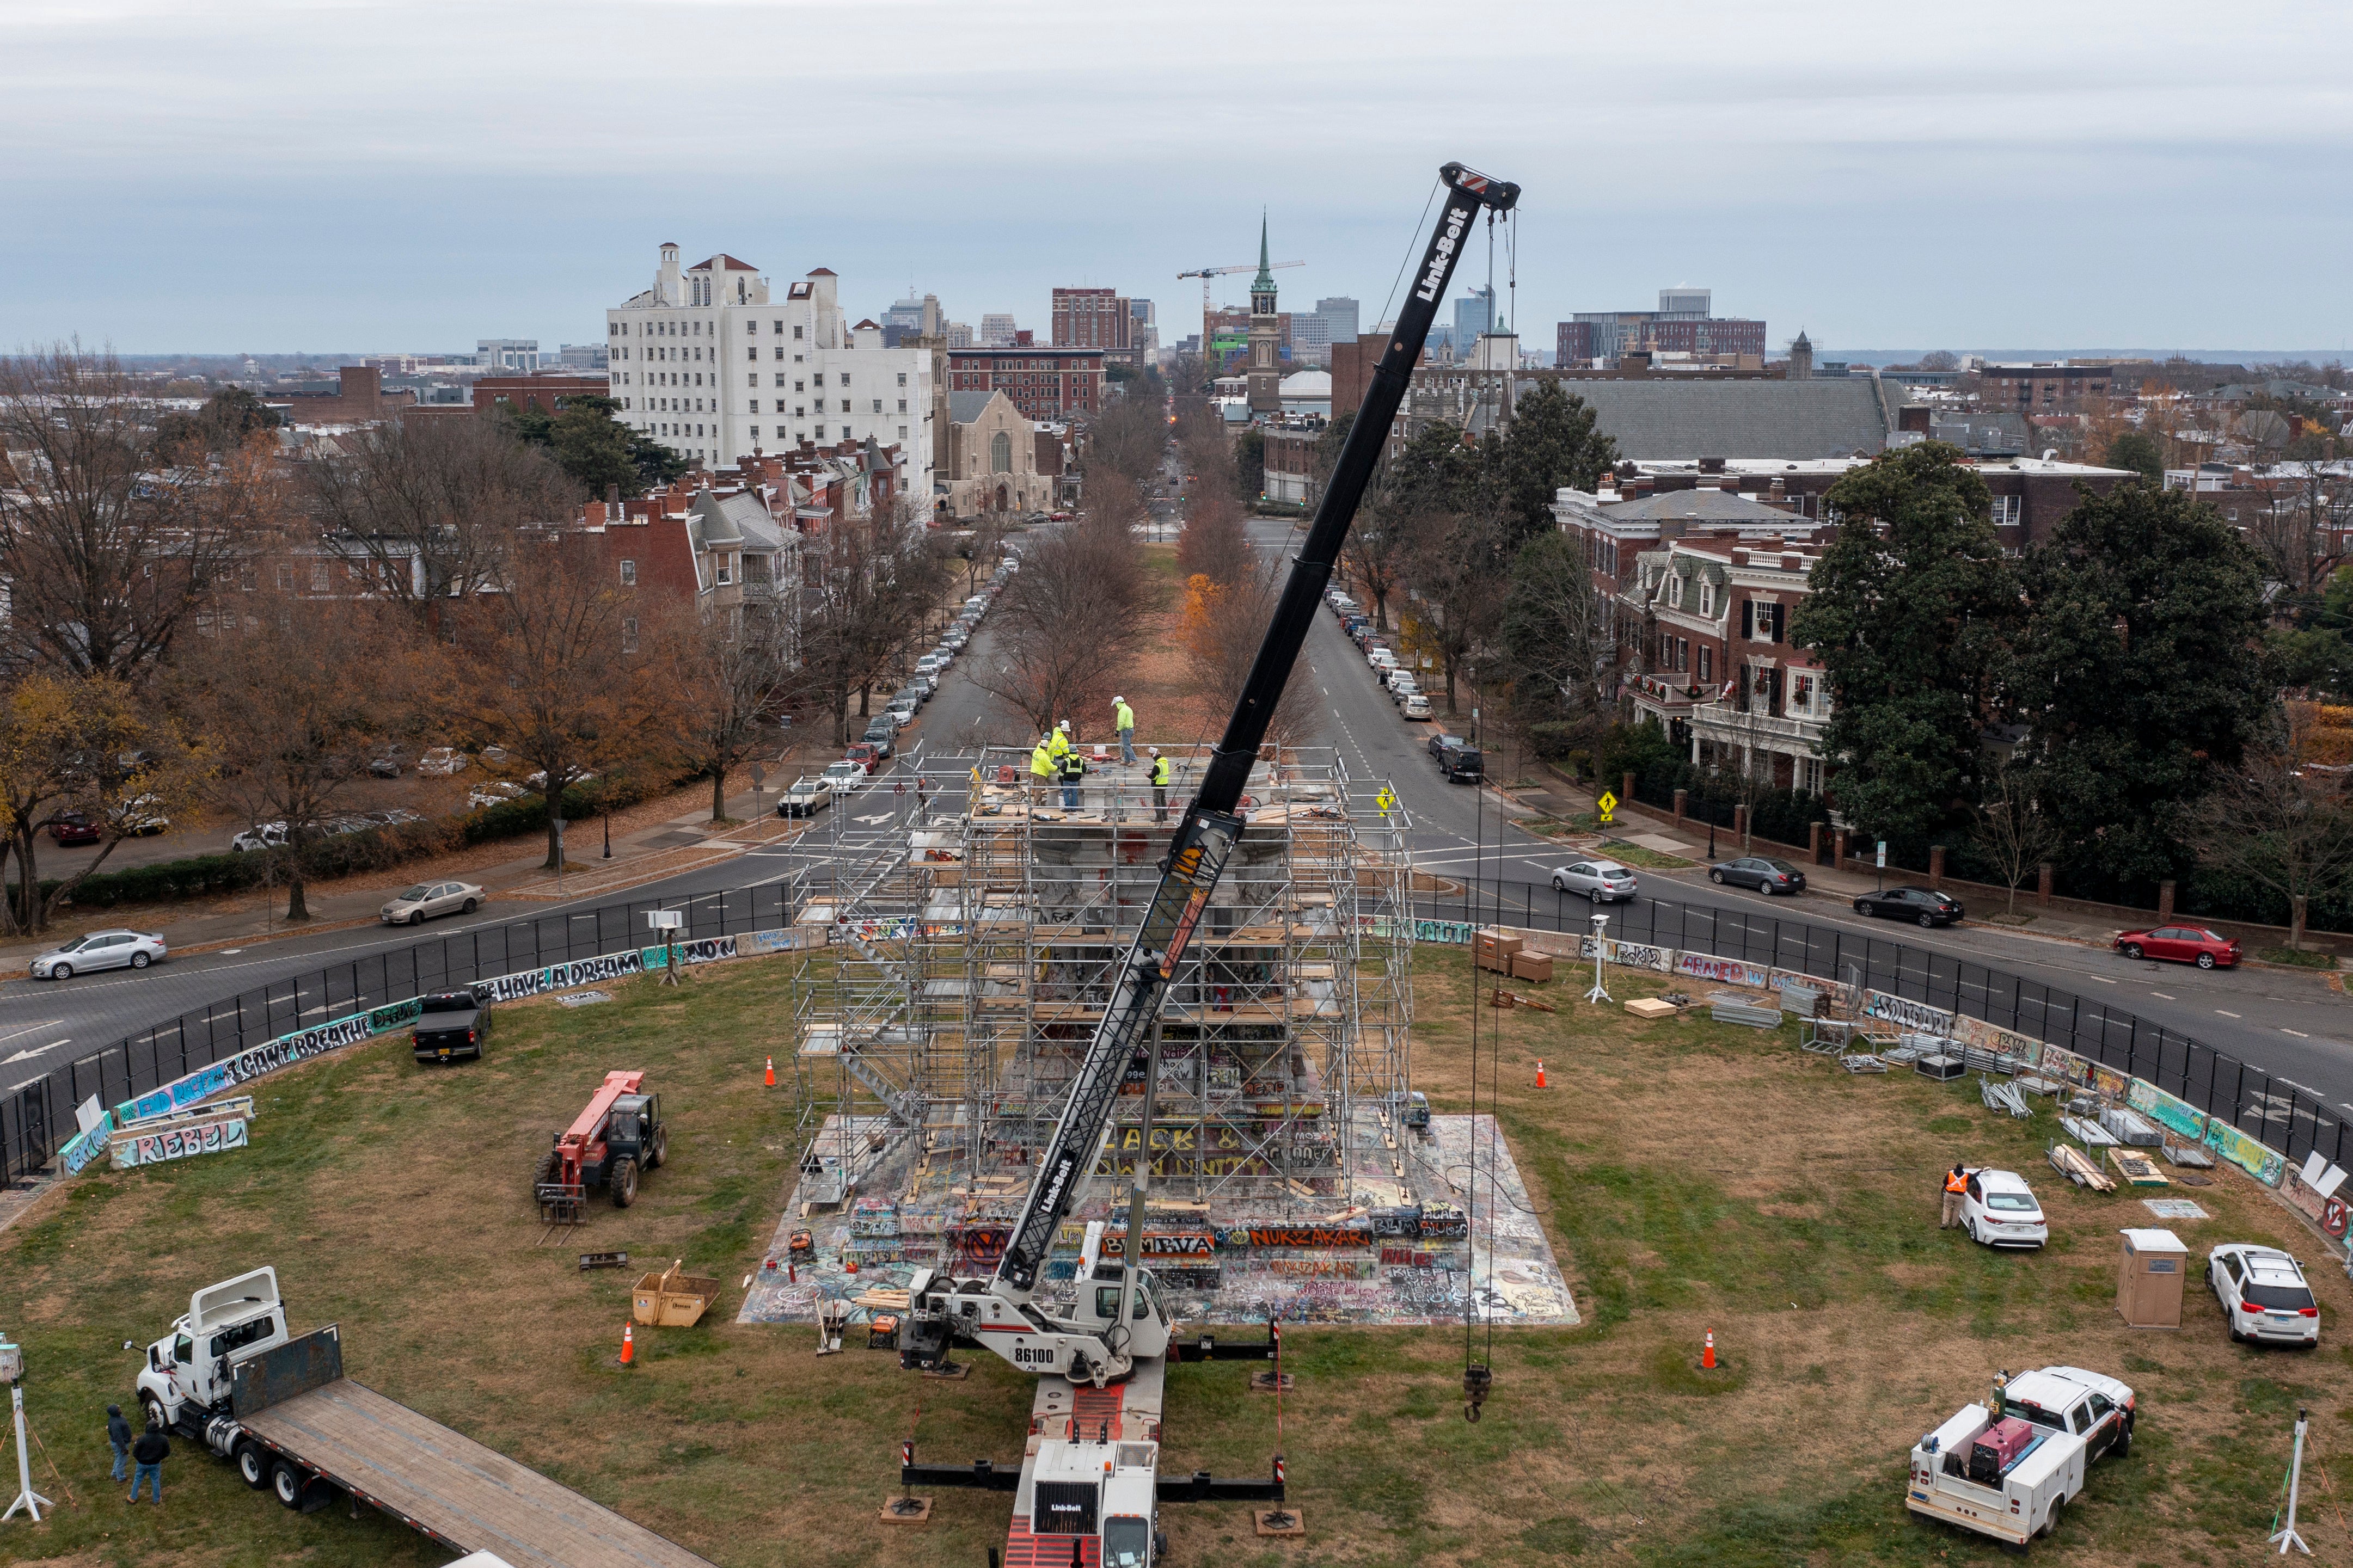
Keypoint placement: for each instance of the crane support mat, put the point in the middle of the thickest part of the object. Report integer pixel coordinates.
(473, 1498)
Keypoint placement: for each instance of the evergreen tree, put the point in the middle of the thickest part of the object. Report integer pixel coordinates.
(2139, 675)
(2139, 452)
(595, 450)
(1907, 611)
(1550, 443)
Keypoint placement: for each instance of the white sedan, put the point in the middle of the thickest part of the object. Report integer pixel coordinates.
(1603, 881)
(1999, 1209)
(99, 950)
(496, 793)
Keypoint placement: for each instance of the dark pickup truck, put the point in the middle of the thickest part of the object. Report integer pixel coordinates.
(453, 1024)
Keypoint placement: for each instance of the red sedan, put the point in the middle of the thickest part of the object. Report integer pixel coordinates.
(74, 827)
(2182, 945)
(866, 757)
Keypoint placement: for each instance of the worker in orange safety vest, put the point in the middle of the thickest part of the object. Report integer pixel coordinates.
(1957, 1185)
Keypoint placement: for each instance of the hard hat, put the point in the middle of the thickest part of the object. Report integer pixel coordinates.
(1116, 701)
(1065, 724)
(1156, 750)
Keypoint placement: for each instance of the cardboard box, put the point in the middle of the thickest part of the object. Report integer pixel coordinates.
(1528, 965)
(1652, 1007)
(2149, 1275)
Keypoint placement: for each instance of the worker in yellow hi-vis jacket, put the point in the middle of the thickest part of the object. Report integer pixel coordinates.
(1122, 719)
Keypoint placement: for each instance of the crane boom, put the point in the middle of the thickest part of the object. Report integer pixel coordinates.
(999, 1313)
(1197, 853)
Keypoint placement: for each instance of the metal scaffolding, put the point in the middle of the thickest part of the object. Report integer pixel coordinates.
(972, 951)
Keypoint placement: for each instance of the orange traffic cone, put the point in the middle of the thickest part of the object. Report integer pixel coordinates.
(1707, 1355)
(1540, 1078)
(628, 1346)
(772, 1072)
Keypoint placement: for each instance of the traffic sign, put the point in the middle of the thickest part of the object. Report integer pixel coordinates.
(1883, 854)
(1606, 805)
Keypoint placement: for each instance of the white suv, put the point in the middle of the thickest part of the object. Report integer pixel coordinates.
(2263, 1294)
(1998, 1210)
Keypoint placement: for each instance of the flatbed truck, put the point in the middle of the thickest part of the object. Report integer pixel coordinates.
(282, 1410)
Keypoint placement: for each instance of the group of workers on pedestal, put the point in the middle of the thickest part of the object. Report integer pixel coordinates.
(1056, 759)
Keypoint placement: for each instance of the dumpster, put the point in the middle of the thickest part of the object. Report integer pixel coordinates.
(671, 1300)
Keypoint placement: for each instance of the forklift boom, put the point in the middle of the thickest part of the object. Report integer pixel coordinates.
(590, 1121)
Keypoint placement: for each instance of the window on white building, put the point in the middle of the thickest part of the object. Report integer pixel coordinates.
(1000, 453)
(724, 576)
(902, 432)
(796, 334)
(800, 410)
(845, 405)
(1707, 600)
(777, 328)
(877, 406)
(902, 378)
(1675, 592)
(756, 401)
(755, 432)
(902, 403)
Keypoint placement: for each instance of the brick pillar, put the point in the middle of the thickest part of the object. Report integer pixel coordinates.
(1740, 825)
(1813, 844)
(2042, 874)
(1626, 790)
(1681, 795)
(1838, 849)
(2164, 901)
(1937, 866)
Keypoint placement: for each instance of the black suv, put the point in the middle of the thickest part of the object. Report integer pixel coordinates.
(1463, 764)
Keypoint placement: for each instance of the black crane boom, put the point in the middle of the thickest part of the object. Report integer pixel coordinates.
(1197, 851)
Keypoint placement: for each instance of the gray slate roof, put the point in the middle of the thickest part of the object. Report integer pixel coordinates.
(1710, 505)
(1658, 418)
(964, 408)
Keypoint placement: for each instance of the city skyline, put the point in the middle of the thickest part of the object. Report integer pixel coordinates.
(407, 177)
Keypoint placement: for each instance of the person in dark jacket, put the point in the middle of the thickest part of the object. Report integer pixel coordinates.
(118, 1435)
(149, 1454)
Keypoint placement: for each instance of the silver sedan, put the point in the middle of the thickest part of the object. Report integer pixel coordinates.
(414, 906)
(99, 950)
(1603, 881)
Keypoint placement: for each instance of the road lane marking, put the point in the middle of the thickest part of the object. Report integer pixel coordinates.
(2161, 995)
(2101, 978)
(2226, 1014)
(2299, 1033)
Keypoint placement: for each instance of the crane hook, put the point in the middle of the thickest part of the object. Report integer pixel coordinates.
(1477, 1380)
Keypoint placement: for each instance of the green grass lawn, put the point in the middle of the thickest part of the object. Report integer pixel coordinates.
(1691, 1176)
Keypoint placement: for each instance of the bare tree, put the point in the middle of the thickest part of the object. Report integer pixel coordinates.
(1223, 624)
(108, 548)
(866, 586)
(430, 505)
(1213, 542)
(723, 677)
(2283, 819)
(295, 691)
(1459, 577)
(550, 669)
(2010, 833)
(1072, 620)
(1128, 438)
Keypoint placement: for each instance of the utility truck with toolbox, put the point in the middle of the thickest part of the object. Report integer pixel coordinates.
(230, 1376)
(2007, 1469)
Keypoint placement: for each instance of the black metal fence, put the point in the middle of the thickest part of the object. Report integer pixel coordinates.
(2258, 1103)
(38, 1117)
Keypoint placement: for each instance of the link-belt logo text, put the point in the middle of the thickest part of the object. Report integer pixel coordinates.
(1434, 281)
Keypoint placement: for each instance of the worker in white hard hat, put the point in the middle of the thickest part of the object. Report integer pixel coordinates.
(1159, 786)
(1058, 741)
(1122, 719)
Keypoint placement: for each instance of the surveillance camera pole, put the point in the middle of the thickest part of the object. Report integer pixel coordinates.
(1600, 992)
(12, 1365)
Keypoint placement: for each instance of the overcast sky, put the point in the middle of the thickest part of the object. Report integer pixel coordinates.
(273, 175)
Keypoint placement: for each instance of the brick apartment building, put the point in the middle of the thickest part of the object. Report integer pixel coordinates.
(359, 399)
(2027, 387)
(545, 393)
(1094, 319)
(1291, 468)
(1049, 385)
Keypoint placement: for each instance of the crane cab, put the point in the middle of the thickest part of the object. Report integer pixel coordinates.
(1091, 1487)
(1097, 1310)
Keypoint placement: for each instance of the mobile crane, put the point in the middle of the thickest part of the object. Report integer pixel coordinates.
(1112, 1331)
(1088, 1475)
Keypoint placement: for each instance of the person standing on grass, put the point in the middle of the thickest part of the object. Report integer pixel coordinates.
(118, 1437)
(1956, 1183)
(149, 1454)
(1122, 719)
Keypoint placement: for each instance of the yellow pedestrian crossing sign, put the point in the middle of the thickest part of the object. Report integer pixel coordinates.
(1386, 801)
(1606, 805)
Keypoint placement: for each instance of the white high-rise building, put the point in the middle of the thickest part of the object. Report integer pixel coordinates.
(707, 364)
(997, 330)
(508, 356)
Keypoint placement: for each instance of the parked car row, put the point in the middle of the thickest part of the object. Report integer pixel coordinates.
(1402, 685)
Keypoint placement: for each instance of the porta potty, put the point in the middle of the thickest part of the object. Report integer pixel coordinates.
(2148, 1279)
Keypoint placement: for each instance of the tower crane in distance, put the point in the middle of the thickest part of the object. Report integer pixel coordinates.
(1206, 273)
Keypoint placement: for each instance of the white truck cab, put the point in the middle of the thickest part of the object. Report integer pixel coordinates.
(1109, 1489)
(2008, 1476)
(187, 1374)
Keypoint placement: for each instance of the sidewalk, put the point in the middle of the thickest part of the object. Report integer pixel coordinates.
(653, 839)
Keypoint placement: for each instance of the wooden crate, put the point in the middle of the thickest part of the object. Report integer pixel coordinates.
(1528, 965)
(1494, 950)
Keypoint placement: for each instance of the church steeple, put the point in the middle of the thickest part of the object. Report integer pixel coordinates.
(1264, 281)
(1265, 335)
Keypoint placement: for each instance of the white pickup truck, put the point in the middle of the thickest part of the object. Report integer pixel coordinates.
(2010, 1476)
